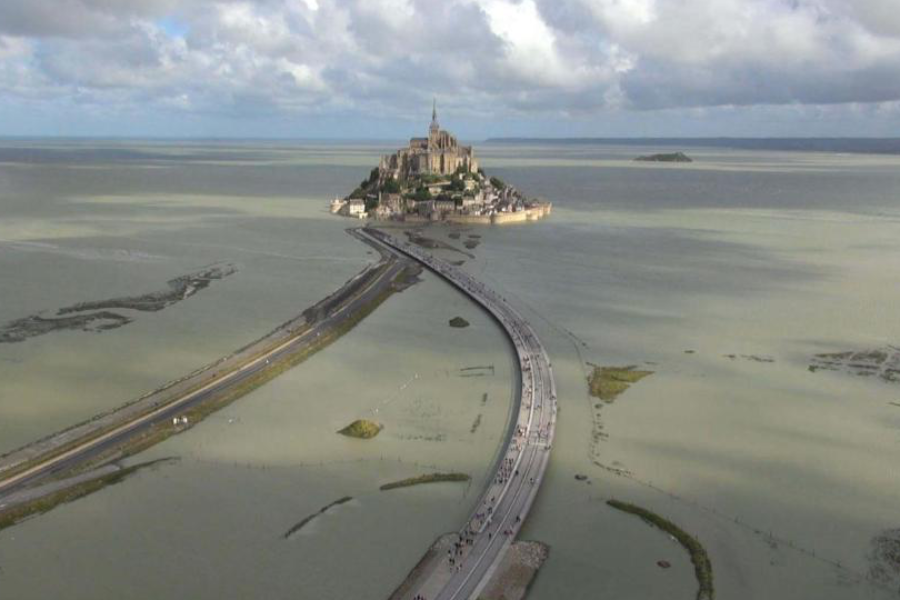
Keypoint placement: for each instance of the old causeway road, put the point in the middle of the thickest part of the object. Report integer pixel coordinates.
(502, 509)
(89, 449)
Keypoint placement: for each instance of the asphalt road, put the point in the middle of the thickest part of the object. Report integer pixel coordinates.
(123, 433)
(503, 507)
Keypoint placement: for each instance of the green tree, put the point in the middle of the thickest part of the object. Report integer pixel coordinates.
(391, 186)
(431, 178)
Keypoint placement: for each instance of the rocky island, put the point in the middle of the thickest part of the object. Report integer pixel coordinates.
(437, 179)
(678, 157)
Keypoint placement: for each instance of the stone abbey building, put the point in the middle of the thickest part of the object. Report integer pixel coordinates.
(437, 154)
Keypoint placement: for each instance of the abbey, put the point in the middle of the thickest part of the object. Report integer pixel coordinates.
(437, 154)
(436, 179)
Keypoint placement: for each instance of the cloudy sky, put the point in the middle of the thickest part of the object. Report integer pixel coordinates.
(369, 68)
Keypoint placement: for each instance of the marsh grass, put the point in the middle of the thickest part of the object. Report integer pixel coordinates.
(702, 564)
(427, 478)
(43, 504)
(607, 383)
(362, 429)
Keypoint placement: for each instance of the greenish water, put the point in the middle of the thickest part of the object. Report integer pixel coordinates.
(780, 472)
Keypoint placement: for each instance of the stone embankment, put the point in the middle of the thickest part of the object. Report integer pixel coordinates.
(501, 218)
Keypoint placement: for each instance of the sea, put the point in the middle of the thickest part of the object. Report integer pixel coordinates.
(725, 277)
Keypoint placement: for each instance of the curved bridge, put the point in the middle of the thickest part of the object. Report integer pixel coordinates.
(503, 507)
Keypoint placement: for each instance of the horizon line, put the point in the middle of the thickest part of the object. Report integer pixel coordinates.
(393, 139)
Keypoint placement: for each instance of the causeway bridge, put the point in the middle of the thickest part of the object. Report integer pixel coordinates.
(519, 471)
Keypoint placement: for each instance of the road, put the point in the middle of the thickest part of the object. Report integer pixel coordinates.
(503, 508)
(519, 471)
(95, 446)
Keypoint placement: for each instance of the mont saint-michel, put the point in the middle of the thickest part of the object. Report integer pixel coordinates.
(436, 178)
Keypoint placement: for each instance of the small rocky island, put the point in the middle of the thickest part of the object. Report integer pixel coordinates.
(676, 157)
(437, 179)
(458, 323)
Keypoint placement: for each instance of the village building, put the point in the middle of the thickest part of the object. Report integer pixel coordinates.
(355, 208)
(436, 179)
(392, 201)
(469, 202)
(441, 205)
(383, 212)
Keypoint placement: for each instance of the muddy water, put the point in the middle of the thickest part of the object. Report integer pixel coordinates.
(78, 227)
(784, 475)
(214, 523)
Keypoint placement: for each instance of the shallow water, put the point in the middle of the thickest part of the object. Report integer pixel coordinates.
(214, 522)
(72, 235)
(780, 472)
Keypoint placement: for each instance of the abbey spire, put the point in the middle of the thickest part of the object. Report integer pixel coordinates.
(434, 122)
(438, 154)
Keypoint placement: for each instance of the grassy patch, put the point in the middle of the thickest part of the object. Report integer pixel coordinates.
(321, 511)
(476, 424)
(19, 512)
(428, 478)
(607, 383)
(702, 565)
(362, 429)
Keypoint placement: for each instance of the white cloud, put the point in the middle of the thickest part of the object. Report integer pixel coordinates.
(625, 15)
(567, 58)
(529, 45)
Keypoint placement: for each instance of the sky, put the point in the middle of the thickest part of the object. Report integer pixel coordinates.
(369, 69)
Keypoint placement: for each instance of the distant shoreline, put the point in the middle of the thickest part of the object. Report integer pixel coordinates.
(883, 146)
(833, 144)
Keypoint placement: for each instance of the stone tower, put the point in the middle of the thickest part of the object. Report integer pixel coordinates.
(439, 154)
(434, 129)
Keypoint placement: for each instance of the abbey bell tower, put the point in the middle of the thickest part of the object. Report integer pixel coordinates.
(437, 154)
(434, 129)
